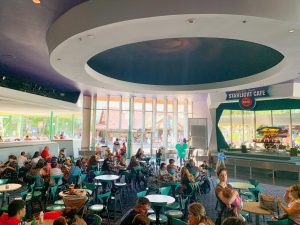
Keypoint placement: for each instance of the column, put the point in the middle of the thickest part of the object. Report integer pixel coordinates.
(175, 121)
(93, 124)
(120, 113)
(129, 147)
(51, 126)
(143, 114)
(86, 122)
(186, 120)
(153, 136)
(165, 130)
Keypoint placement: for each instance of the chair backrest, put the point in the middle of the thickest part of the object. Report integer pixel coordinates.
(171, 170)
(103, 198)
(141, 194)
(178, 222)
(57, 179)
(97, 220)
(90, 186)
(95, 167)
(164, 190)
(280, 222)
(254, 182)
(3, 181)
(53, 192)
(38, 180)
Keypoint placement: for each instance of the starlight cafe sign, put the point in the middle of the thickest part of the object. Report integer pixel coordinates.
(247, 97)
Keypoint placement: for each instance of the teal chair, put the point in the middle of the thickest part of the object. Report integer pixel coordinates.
(164, 190)
(176, 210)
(97, 220)
(103, 206)
(254, 182)
(141, 194)
(178, 222)
(281, 222)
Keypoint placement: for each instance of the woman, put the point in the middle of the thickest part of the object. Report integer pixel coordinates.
(186, 179)
(140, 154)
(133, 163)
(222, 175)
(292, 210)
(8, 169)
(75, 171)
(197, 215)
(92, 162)
(71, 216)
(163, 174)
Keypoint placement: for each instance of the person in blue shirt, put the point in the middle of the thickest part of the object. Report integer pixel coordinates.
(221, 160)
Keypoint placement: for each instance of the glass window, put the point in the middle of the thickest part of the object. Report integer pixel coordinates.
(137, 120)
(281, 119)
(148, 120)
(77, 125)
(101, 103)
(249, 129)
(160, 106)
(148, 106)
(263, 119)
(180, 126)
(138, 104)
(125, 103)
(190, 107)
(170, 106)
(180, 107)
(114, 103)
(237, 128)
(225, 125)
(101, 116)
(296, 126)
(170, 134)
(125, 120)
(114, 119)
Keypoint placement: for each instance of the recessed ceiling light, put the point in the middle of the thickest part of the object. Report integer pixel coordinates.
(244, 21)
(58, 59)
(292, 30)
(90, 36)
(36, 1)
(191, 20)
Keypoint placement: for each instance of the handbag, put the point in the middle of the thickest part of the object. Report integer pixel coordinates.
(268, 202)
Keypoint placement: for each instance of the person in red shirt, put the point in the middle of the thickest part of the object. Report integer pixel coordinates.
(16, 211)
(45, 153)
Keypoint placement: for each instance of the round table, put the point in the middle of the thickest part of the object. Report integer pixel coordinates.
(107, 177)
(241, 185)
(159, 199)
(253, 207)
(100, 160)
(77, 192)
(6, 188)
(9, 187)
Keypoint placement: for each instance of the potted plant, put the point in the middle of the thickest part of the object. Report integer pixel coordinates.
(293, 152)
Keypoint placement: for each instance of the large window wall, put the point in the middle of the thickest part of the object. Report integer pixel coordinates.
(240, 127)
(38, 126)
(148, 118)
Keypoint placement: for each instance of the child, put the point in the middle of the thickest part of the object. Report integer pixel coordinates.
(236, 204)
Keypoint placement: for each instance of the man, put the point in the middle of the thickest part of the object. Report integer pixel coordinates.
(107, 163)
(22, 160)
(16, 211)
(142, 207)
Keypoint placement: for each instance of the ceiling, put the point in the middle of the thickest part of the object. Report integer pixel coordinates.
(146, 47)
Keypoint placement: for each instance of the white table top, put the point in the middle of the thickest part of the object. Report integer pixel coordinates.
(253, 207)
(241, 185)
(107, 177)
(100, 160)
(11, 187)
(160, 199)
(77, 192)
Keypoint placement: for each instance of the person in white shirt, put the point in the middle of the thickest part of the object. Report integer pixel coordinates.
(35, 158)
(54, 171)
(22, 159)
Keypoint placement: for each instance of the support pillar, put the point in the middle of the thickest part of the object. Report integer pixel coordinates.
(86, 122)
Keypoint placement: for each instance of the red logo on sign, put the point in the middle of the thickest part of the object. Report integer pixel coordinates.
(246, 102)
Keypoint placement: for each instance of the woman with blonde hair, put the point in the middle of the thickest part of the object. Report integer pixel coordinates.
(186, 179)
(197, 215)
(133, 163)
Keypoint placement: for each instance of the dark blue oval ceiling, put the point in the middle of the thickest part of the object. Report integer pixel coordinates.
(185, 61)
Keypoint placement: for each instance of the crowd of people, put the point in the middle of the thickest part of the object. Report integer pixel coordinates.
(46, 166)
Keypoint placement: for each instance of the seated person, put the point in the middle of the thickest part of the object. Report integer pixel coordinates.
(140, 219)
(60, 221)
(92, 162)
(16, 211)
(122, 163)
(9, 168)
(204, 165)
(35, 158)
(22, 159)
(61, 156)
(133, 163)
(192, 168)
(66, 169)
(234, 221)
(228, 193)
(142, 206)
(75, 171)
(292, 198)
(172, 168)
(45, 153)
(108, 165)
(186, 179)
(55, 171)
(198, 215)
(163, 174)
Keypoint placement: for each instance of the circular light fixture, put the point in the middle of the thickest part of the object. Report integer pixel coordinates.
(191, 20)
(90, 36)
(36, 1)
(292, 30)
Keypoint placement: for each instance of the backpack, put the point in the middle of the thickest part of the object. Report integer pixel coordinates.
(205, 187)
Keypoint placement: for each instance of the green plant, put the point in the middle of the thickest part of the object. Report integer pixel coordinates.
(293, 152)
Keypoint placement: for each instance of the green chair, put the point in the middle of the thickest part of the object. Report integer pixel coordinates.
(177, 210)
(92, 188)
(141, 194)
(254, 182)
(104, 199)
(97, 219)
(52, 193)
(95, 167)
(164, 190)
(281, 222)
(3, 181)
(83, 178)
(178, 222)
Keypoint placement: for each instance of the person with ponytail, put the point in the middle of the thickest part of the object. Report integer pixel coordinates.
(197, 215)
